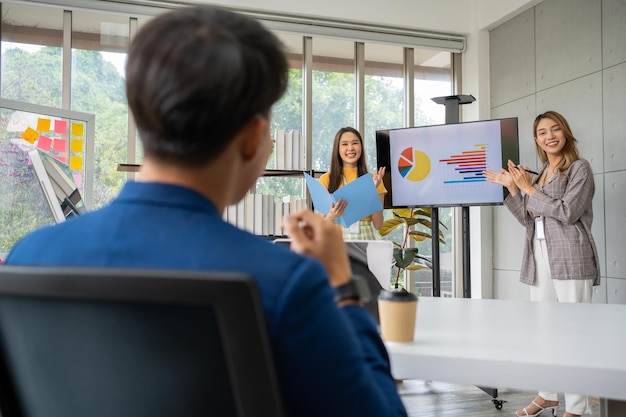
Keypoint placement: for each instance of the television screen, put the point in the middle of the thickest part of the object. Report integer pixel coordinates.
(441, 165)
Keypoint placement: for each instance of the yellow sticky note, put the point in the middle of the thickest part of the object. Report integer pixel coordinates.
(43, 125)
(76, 146)
(76, 163)
(77, 129)
(30, 135)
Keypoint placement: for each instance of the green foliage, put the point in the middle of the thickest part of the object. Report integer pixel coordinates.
(33, 77)
(287, 112)
(417, 226)
(97, 88)
(22, 203)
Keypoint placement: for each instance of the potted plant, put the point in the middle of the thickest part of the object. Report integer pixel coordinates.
(407, 258)
(397, 307)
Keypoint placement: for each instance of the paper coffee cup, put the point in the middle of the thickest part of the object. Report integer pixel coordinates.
(397, 311)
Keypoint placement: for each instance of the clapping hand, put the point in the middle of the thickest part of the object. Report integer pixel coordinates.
(378, 176)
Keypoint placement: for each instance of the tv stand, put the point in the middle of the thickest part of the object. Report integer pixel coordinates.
(452, 104)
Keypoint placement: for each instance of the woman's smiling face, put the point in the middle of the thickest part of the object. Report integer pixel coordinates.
(349, 149)
(550, 137)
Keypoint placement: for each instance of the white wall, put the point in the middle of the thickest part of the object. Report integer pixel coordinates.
(537, 65)
(450, 16)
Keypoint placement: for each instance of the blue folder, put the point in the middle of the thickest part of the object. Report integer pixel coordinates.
(361, 195)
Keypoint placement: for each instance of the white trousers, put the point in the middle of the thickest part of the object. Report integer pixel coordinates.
(564, 291)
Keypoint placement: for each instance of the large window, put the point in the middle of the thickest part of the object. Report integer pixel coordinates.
(286, 116)
(32, 54)
(384, 94)
(333, 95)
(99, 45)
(36, 69)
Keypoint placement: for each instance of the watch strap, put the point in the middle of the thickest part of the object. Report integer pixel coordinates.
(355, 289)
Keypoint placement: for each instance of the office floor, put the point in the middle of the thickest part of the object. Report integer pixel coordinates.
(438, 399)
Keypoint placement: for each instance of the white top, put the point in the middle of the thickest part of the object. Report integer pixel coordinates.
(561, 347)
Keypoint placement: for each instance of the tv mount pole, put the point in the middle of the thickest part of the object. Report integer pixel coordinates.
(452, 104)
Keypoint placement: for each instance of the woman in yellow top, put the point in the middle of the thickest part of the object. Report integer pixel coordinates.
(347, 164)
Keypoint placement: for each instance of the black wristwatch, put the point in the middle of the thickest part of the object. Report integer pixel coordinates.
(355, 289)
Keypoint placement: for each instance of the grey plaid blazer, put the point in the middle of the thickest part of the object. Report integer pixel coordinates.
(565, 204)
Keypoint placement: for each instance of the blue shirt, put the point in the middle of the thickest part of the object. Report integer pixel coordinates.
(330, 361)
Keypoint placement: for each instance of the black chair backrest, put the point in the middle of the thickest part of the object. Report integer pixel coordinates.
(101, 342)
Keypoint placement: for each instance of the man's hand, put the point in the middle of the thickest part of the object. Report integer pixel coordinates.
(311, 234)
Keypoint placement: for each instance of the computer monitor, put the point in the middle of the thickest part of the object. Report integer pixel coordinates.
(371, 259)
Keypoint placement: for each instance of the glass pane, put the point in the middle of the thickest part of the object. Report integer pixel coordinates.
(138, 147)
(32, 59)
(287, 123)
(384, 94)
(384, 108)
(432, 79)
(99, 45)
(333, 95)
(24, 205)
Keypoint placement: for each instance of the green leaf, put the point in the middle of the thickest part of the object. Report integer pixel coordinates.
(419, 236)
(404, 258)
(411, 222)
(389, 225)
(416, 267)
(403, 212)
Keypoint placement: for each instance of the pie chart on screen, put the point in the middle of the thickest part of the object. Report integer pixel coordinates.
(414, 165)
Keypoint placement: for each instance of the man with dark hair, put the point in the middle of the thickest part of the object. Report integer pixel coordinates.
(201, 83)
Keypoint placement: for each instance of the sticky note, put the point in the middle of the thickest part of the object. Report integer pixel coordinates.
(60, 158)
(60, 126)
(78, 180)
(76, 163)
(44, 143)
(43, 125)
(78, 129)
(30, 135)
(76, 146)
(60, 145)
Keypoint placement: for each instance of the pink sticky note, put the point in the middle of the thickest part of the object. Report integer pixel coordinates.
(61, 158)
(44, 143)
(60, 126)
(60, 145)
(78, 179)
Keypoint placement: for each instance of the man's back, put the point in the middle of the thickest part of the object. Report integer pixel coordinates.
(166, 226)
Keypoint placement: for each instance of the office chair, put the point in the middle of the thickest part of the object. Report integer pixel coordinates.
(95, 342)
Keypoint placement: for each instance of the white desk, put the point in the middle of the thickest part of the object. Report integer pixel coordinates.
(576, 348)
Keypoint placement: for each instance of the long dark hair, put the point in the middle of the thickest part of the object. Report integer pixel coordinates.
(336, 163)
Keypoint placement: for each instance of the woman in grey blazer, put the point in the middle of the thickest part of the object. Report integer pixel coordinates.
(560, 260)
